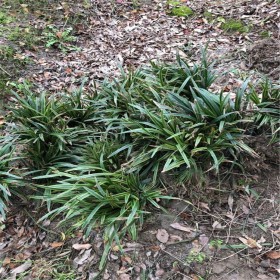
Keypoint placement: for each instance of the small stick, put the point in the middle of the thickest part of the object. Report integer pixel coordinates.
(183, 241)
(1, 67)
(236, 253)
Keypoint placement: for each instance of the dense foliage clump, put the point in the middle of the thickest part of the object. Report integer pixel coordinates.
(97, 159)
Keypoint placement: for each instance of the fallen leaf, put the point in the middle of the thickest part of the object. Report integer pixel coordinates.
(81, 246)
(126, 259)
(116, 248)
(180, 227)
(124, 270)
(154, 248)
(275, 255)
(230, 202)
(261, 240)
(79, 260)
(204, 205)
(2, 121)
(263, 277)
(106, 275)
(245, 209)
(217, 225)
(159, 271)
(46, 223)
(6, 261)
(175, 238)
(230, 215)
(162, 235)
(133, 245)
(21, 268)
(250, 242)
(203, 240)
(56, 244)
(185, 216)
(68, 70)
(58, 35)
(253, 243)
(194, 277)
(114, 257)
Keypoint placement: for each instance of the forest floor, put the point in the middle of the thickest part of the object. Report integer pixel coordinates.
(231, 230)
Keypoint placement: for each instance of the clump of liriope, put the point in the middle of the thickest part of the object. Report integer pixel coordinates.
(265, 96)
(182, 77)
(98, 193)
(105, 153)
(186, 136)
(50, 128)
(6, 151)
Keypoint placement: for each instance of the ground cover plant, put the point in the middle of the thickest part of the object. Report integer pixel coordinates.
(5, 156)
(98, 160)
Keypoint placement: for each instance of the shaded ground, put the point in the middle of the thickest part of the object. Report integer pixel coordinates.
(232, 229)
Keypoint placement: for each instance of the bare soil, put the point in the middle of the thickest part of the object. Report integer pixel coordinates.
(264, 56)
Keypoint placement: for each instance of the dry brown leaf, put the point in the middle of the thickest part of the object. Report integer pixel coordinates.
(204, 205)
(20, 232)
(175, 238)
(182, 228)
(250, 242)
(81, 246)
(6, 261)
(162, 235)
(253, 243)
(126, 259)
(217, 225)
(79, 260)
(21, 268)
(185, 216)
(56, 244)
(116, 248)
(203, 240)
(154, 248)
(275, 255)
(194, 277)
(58, 35)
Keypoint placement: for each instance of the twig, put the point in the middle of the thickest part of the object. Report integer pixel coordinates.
(1, 67)
(230, 225)
(236, 253)
(183, 241)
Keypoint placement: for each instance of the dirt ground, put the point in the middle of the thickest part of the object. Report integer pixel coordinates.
(230, 230)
